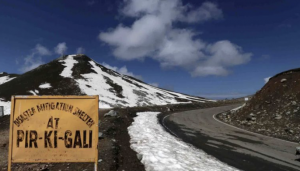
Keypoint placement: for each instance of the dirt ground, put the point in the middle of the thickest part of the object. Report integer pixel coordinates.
(114, 147)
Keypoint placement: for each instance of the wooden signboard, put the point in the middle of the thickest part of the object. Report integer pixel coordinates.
(53, 129)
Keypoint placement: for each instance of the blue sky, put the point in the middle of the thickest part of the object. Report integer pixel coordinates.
(182, 49)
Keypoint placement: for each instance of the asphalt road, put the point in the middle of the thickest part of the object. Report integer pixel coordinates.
(239, 148)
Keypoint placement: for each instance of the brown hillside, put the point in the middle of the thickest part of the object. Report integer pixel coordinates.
(274, 110)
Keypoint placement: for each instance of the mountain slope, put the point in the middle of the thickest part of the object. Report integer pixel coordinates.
(275, 109)
(80, 75)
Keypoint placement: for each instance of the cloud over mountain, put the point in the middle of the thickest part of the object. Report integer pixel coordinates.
(154, 34)
(35, 58)
(61, 48)
(80, 50)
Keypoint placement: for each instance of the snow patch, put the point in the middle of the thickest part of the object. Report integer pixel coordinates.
(45, 85)
(103, 105)
(32, 92)
(5, 79)
(238, 108)
(6, 106)
(134, 93)
(161, 151)
(267, 79)
(69, 63)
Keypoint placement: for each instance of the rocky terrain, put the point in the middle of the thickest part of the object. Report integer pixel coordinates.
(272, 111)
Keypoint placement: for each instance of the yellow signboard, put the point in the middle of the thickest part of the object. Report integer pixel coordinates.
(54, 129)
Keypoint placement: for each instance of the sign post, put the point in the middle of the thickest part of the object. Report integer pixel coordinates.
(1, 111)
(53, 129)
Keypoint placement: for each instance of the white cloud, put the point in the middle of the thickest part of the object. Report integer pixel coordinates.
(136, 42)
(267, 79)
(61, 48)
(172, 10)
(80, 50)
(154, 84)
(220, 56)
(154, 35)
(180, 49)
(207, 11)
(35, 58)
(136, 8)
(41, 50)
(123, 70)
(30, 62)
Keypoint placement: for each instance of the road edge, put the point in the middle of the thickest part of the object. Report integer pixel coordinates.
(214, 117)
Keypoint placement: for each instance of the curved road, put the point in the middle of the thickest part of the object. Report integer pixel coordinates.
(238, 148)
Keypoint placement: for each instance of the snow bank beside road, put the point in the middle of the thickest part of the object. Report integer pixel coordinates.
(238, 108)
(161, 151)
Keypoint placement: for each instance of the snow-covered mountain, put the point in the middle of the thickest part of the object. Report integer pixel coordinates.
(4, 77)
(80, 75)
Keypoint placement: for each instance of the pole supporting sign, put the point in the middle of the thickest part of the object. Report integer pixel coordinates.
(53, 129)
(1, 111)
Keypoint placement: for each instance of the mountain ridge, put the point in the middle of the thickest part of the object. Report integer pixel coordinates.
(81, 75)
